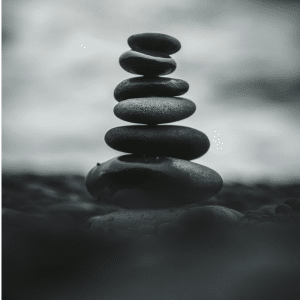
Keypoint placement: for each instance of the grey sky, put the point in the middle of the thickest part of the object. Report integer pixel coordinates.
(241, 59)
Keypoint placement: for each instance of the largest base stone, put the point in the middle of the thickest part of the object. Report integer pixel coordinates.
(152, 182)
(140, 222)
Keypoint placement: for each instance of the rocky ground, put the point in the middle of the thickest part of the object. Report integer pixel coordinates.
(59, 243)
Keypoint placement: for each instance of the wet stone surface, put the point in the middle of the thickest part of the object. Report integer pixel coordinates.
(155, 42)
(147, 63)
(154, 110)
(152, 182)
(176, 221)
(150, 86)
(162, 140)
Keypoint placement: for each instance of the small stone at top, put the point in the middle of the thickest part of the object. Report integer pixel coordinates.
(155, 42)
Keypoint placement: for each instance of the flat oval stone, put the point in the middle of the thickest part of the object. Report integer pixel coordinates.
(148, 182)
(154, 110)
(155, 42)
(147, 63)
(162, 140)
(137, 87)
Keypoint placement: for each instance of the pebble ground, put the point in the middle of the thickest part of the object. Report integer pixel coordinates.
(49, 251)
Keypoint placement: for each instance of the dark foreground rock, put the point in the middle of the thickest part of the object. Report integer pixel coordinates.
(294, 204)
(185, 220)
(149, 182)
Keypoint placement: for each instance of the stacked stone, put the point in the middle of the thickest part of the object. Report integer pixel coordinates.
(158, 173)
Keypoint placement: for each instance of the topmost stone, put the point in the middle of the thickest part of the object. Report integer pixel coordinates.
(155, 42)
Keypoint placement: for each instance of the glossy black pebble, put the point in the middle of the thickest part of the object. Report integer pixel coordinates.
(283, 209)
(148, 182)
(294, 204)
(137, 87)
(154, 41)
(162, 140)
(154, 110)
(149, 64)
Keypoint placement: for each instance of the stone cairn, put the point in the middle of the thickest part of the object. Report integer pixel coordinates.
(158, 172)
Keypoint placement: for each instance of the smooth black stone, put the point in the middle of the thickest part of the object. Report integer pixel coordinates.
(137, 87)
(293, 203)
(283, 209)
(154, 41)
(205, 218)
(148, 182)
(162, 140)
(147, 63)
(154, 110)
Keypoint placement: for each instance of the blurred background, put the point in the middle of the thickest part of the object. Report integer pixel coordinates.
(61, 64)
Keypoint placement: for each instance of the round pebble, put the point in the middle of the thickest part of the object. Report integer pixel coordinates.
(155, 42)
(137, 87)
(154, 110)
(283, 209)
(162, 140)
(205, 218)
(167, 223)
(293, 203)
(147, 63)
(147, 182)
(133, 197)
